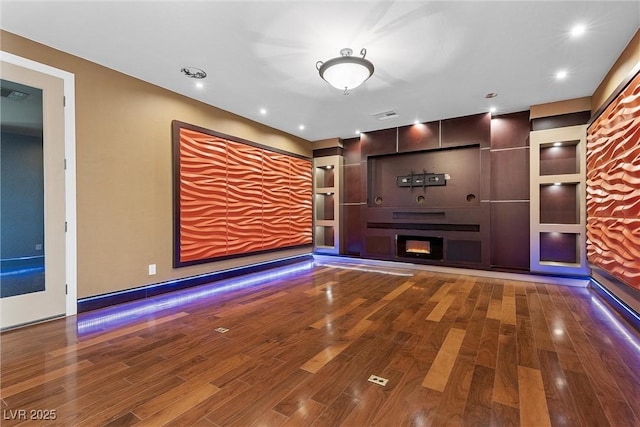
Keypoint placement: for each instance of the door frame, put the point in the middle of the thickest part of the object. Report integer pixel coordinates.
(70, 170)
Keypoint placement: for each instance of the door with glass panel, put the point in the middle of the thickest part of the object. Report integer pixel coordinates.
(32, 196)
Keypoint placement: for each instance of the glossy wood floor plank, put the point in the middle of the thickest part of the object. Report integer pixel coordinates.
(478, 407)
(623, 354)
(197, 415)
(495, 304)
(305, 415)
(439, 372)
(338, 313)
(457, 350)
(68, 370)
(443, 305)
(533, 403)
(488, 347)
(179, 405)
(505, 385)
(114, 334)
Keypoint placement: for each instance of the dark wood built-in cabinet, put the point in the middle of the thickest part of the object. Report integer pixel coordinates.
(477, 218)
(509, 189)
(427, 194)
(475, 231)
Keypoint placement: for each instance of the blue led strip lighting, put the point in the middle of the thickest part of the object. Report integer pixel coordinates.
(626, 310)
(127, 295)
(620, 328)
(125, 313)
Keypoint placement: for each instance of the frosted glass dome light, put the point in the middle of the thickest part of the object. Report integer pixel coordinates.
(346, 72)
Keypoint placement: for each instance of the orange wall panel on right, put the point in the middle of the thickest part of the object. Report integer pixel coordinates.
(613, 187)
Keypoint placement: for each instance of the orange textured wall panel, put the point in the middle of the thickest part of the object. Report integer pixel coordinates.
(613, 187)
(301, 220)
(203, 196)
(237, 198)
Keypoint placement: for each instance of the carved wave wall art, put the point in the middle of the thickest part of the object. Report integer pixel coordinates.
(236, 198)
(613, 187)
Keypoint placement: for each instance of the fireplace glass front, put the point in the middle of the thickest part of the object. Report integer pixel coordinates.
(421, 247)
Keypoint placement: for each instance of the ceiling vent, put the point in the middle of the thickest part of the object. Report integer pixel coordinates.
(385, 115)
(15, 95)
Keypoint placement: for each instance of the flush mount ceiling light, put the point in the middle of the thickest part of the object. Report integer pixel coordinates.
(194, 73)
(346, 72)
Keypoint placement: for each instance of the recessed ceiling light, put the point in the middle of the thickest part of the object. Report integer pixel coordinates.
(557, 183)
(562, 74)
(301, 127)
(492, 110)
(578, 30)
(199, 85)
(557, 144)
(357, 132)
(263, 111)
(416, 122)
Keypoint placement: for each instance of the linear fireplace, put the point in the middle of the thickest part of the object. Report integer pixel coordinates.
(420, 247)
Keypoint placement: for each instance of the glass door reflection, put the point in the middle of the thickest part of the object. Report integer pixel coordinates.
(22, 268)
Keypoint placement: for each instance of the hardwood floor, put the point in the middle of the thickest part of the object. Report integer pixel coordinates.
(456, 350)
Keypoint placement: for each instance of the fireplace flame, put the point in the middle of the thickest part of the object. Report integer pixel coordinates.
(418, 247)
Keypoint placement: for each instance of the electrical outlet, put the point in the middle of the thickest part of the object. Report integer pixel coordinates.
(152, 269)
(378, 380)
(38, 246)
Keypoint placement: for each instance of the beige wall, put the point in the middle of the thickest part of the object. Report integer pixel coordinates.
(628, 63)
(124, 170)
(560, 107)
(327, 143)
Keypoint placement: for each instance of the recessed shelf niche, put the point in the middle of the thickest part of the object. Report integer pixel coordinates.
(560, 248)
(324, 176)
(558, 201)
(326, 199)
(324, 206)
(325, 237)
(559, 158)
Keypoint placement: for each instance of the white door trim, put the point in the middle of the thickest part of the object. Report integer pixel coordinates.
(70, 173)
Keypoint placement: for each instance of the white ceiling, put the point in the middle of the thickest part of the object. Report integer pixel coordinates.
(433, 60)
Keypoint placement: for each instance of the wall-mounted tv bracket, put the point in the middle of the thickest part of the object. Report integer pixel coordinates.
(424, 179)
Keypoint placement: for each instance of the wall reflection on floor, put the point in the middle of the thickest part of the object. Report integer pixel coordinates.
(117, 316)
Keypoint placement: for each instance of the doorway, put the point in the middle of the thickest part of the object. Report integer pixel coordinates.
(37, 194)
